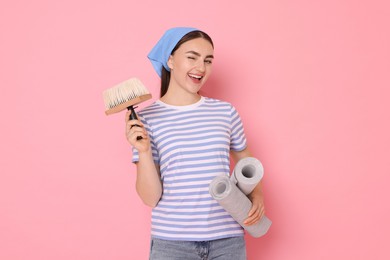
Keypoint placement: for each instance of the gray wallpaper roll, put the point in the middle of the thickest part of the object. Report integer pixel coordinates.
(234, 200)
(247, 173)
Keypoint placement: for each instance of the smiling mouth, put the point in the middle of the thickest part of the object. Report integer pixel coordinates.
(195, 77)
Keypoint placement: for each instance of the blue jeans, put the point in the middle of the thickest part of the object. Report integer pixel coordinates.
(232, 248)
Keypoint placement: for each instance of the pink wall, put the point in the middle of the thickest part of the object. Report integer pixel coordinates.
(310, 80)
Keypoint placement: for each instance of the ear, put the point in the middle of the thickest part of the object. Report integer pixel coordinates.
(170, 62)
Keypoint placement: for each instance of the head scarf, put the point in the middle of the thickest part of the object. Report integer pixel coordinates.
(160, 53)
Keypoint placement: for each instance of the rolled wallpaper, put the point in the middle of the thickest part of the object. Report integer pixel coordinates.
(233, 198)
(247, 173)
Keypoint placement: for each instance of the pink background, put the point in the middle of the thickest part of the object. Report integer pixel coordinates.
(310, 80)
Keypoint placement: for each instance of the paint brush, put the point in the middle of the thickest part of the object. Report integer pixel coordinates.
(126, 94)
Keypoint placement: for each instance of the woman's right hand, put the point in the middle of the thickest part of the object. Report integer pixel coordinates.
(135, 128)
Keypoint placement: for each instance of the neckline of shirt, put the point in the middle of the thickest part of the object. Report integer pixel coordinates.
(186, 107)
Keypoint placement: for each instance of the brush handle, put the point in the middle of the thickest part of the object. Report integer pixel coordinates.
(133, 116)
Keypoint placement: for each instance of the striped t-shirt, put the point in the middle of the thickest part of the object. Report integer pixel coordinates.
(191, 145)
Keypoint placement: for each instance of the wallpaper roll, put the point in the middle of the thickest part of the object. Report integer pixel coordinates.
(237, 204)
(247, 173)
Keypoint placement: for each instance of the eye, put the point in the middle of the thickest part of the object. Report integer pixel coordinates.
(191, 58)
(208, 61)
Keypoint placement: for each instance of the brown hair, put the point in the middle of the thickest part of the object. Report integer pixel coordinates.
(166, 75)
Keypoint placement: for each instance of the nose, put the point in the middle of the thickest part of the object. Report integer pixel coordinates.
(201, 66)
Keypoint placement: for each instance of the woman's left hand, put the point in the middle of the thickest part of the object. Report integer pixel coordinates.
(256, 196)
(257, 211)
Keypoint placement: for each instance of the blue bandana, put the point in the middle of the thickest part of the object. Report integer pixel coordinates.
(160, 53)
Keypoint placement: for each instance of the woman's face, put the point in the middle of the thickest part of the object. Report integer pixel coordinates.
(191, 65)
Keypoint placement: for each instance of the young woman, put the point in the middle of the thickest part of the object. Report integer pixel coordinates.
(187, 140)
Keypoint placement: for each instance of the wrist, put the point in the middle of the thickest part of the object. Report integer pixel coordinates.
(145, 154)
(256, 194)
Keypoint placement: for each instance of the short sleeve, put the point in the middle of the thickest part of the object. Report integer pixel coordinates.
(148, 128)
(237, 136)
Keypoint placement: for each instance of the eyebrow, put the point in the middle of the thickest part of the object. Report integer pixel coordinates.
(198, 54)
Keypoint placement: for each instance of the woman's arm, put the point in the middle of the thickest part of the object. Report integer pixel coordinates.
(256, 196)
(148, 183)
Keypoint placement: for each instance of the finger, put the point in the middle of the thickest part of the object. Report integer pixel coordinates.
(138, 131)
(135, 122)
(256, 215)
(253, 210)
(139, 137)
(132, 136)
(251, 220)
(262, 212)
(132, 123)
(254, 219)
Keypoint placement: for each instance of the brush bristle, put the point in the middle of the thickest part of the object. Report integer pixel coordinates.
(123, 92)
